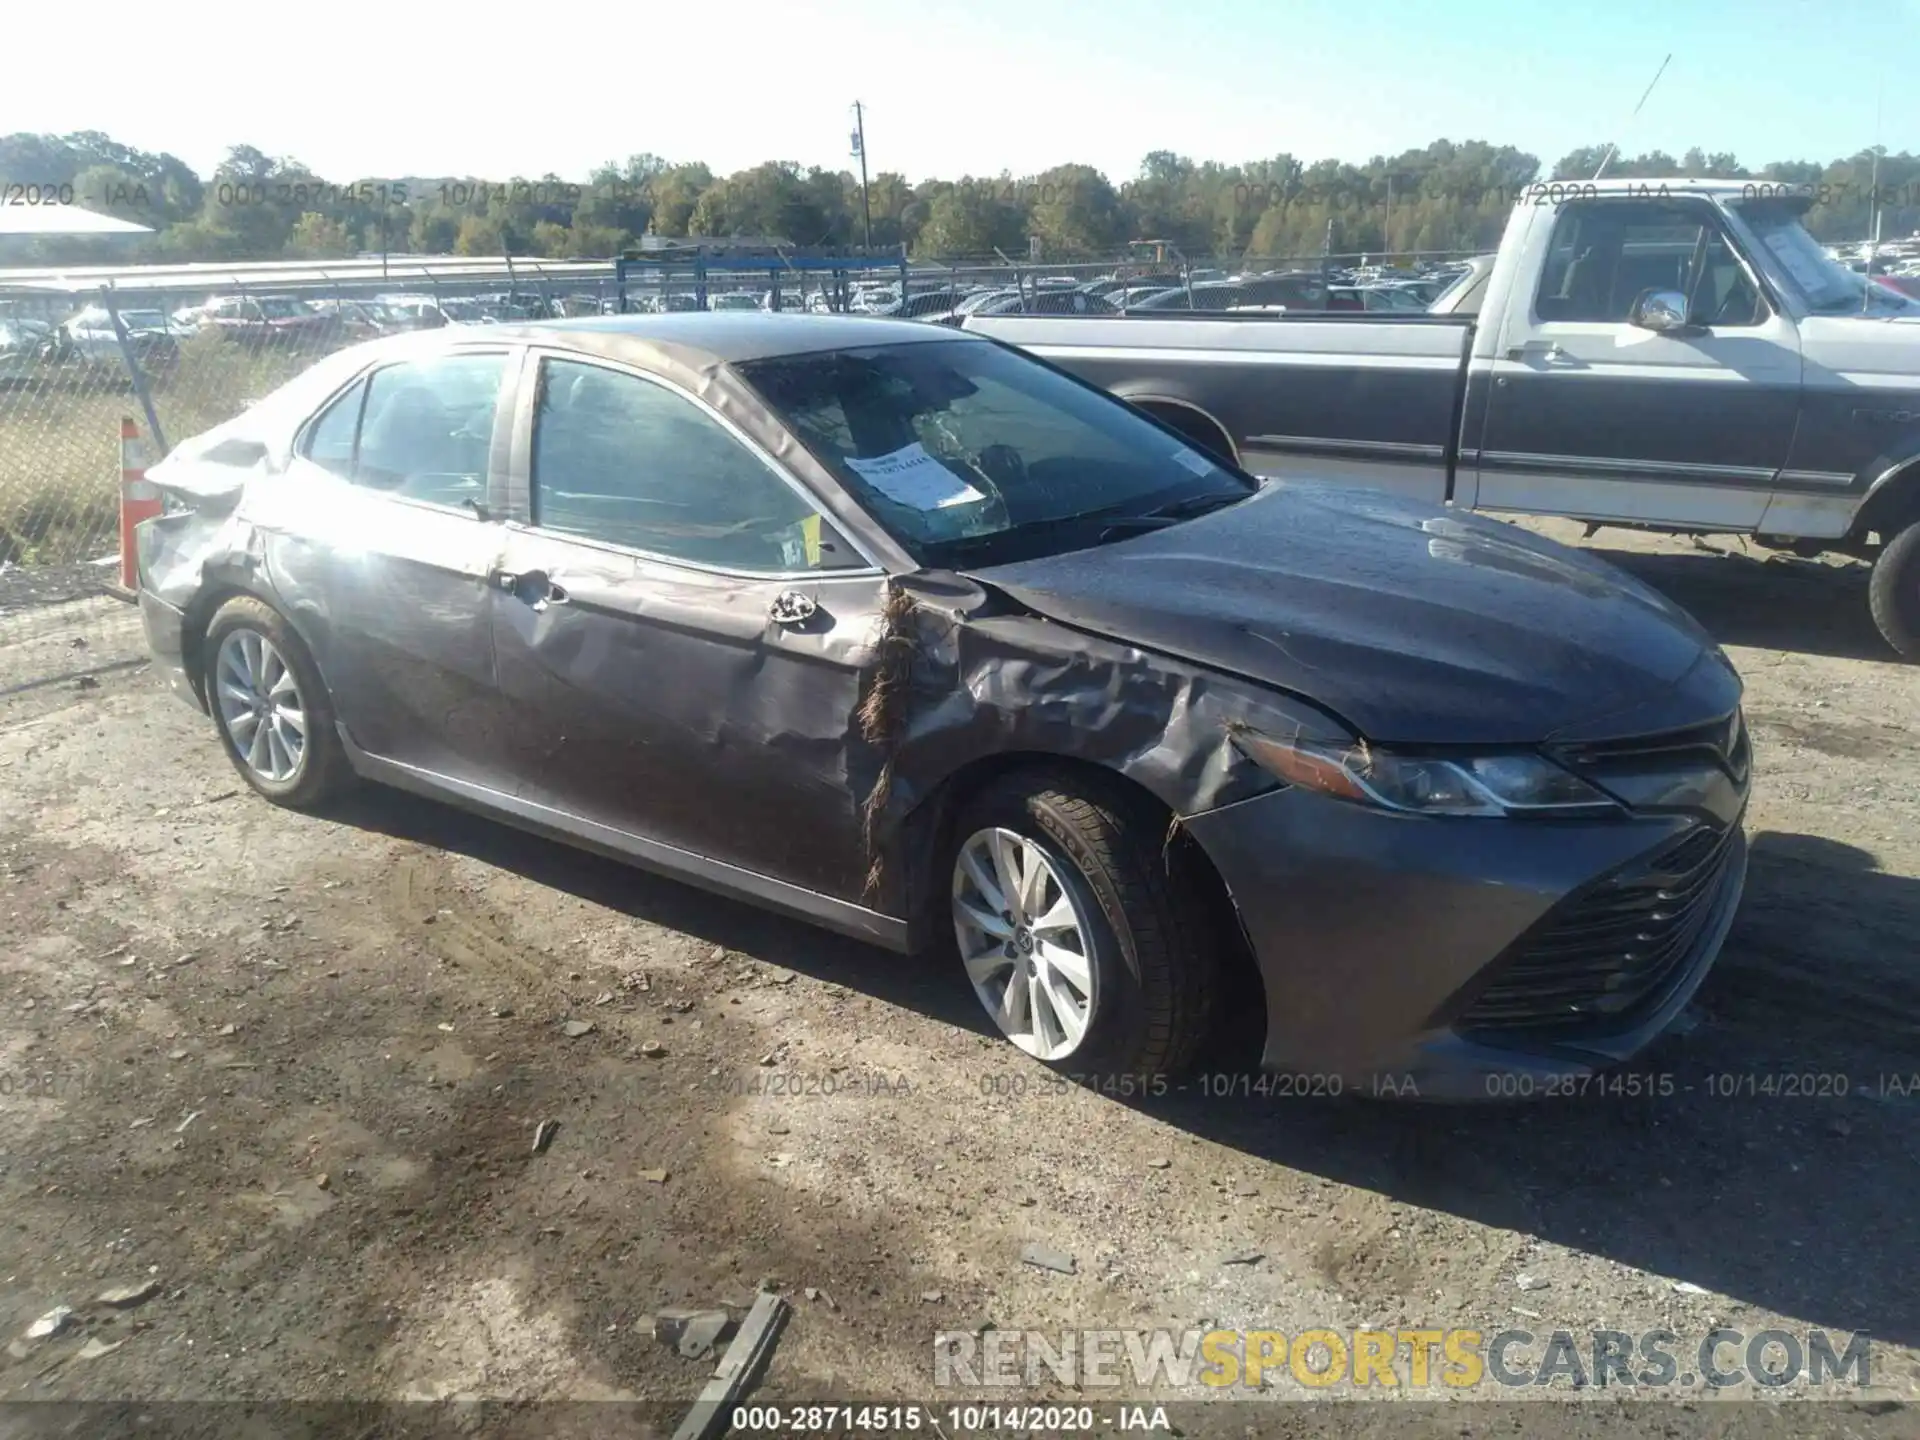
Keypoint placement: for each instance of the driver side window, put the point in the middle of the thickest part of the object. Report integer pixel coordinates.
(629, 462)
(1604, 255)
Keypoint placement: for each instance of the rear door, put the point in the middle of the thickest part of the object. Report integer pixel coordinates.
(680, 633)
(384, 549)
(1590, 415)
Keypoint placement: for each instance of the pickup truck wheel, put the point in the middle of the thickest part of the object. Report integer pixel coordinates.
(1085, 947)
(1895, 591)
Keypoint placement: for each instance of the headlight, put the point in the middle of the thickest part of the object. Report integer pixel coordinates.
(1508, 784)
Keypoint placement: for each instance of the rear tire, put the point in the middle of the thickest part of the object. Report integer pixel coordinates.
(1143, 931)
(271, 707)
(1894, 591)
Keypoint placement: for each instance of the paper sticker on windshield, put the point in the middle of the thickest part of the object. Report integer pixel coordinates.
(1194, 461)
(913, 478)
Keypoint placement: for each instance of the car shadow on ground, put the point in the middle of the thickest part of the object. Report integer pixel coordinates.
(1771, 1158)
(1752, 597)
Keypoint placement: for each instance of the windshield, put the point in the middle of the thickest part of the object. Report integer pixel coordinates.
(970, 453)
(275, 309)
(1828, 287)
(140, 319)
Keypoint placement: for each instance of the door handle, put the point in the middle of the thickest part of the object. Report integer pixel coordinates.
(533, 587)
(790, 607)
(1547, 350)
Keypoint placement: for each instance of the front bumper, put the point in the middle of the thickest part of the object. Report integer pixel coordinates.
(1400, 954)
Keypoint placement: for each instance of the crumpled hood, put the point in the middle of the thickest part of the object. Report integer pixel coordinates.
(1413, 624)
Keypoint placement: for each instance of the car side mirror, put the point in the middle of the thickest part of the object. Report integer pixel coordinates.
(1661, 311)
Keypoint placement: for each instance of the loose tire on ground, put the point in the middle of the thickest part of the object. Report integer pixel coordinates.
(322, 771)
(1156, 972)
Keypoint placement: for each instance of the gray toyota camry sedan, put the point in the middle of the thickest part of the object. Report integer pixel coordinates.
(913, 636)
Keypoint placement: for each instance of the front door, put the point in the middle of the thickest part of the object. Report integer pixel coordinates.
(680, 633)
(1592, 416)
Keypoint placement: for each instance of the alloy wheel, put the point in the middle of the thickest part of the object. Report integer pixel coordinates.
(260, 706)
(1025, 943)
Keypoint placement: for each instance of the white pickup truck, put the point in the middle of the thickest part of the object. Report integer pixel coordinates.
(1678, 355)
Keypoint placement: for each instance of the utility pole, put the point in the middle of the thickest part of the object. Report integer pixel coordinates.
(860, 149)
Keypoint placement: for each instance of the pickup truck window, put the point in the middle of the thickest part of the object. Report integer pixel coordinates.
(1604, 255)
(1828, 287)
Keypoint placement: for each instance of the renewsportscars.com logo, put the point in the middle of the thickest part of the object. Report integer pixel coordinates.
(1413, 1359)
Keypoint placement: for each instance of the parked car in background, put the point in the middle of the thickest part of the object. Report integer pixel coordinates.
(953, 639)
(1675, 355)
(26, 348)
(1304, 290)
(738, 300)
(922, 303)
(354, 320)
(413, 312)
(276, 321)
(88, 336)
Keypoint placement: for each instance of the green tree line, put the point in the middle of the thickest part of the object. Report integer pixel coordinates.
(1447, 196)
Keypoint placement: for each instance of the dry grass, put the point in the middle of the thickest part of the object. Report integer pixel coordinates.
(60, 440)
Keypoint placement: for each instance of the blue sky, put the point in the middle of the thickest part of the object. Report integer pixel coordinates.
(956, 87)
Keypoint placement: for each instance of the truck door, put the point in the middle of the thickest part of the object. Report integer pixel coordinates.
(1591, 414)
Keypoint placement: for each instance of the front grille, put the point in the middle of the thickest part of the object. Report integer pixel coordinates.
(1599, 960)
(1722, 743)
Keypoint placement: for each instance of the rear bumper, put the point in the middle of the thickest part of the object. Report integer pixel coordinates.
(166, 629)
(1378, 937)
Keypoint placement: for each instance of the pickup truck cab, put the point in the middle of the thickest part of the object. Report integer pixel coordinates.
(1678, 355)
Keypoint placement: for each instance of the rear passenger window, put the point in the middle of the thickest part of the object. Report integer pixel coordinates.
(427, 429)
(331, 438)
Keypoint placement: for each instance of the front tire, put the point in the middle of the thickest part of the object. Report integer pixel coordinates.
(1894, 591)
(273, 712)
(1080, 927)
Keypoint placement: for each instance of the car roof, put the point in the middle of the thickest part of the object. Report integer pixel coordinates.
(702, 338)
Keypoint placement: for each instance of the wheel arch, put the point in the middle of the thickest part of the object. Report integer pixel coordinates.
(1191, 421)
(1892, 501)
(198, 615)
(926, 834)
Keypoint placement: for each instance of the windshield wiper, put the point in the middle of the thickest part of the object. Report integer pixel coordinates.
(1173, 512)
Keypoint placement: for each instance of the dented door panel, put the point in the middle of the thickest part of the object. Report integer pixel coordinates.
(666, 702)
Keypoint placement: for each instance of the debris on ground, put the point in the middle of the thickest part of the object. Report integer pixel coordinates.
(543, 1134)
(653, 1050)
(657, 1177)
(739, 1371)
(1160, 1162)
(692, 1331)
(1530, 1282)
(97, 1347)
(931, 1297)
(125, 1297)
(1687, 1287)
(1044, 1257)
(56, 1321)
(574, 1029)
(1243, 1257)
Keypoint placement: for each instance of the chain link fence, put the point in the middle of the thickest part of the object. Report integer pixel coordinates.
(179, 351)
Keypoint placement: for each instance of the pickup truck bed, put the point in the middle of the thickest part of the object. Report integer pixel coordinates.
(1374, 398)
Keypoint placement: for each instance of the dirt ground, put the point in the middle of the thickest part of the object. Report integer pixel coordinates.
(289, 1069)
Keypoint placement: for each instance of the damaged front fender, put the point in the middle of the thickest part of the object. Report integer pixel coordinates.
(965, 677)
